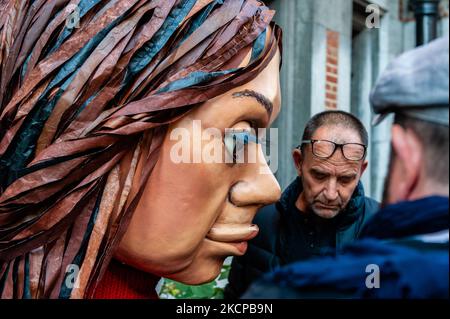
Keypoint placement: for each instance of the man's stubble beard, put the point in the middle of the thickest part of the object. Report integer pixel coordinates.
(311, 209)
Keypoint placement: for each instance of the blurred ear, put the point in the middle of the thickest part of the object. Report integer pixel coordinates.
(298, 160)
(408, 151)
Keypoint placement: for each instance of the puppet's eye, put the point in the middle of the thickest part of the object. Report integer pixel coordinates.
(235, 143)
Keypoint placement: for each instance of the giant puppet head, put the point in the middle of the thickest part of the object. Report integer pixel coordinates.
(93, 95)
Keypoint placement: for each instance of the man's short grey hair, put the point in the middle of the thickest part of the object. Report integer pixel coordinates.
(335, 118)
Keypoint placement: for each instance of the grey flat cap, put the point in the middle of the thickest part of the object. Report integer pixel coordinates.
(416, 84)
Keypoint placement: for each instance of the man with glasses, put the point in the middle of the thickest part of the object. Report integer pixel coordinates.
(321, 211)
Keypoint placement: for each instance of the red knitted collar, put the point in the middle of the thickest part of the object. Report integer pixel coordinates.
(124, 282)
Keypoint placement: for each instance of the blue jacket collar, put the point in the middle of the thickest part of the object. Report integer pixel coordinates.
(423, 216)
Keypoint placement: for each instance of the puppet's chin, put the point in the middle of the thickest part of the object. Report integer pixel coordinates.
(202, 266)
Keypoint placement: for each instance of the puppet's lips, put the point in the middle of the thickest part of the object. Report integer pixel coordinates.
(232, 233)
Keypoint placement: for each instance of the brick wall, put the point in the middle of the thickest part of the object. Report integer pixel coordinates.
(332, 68)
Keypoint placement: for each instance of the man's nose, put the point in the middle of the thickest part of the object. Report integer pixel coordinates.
(331, 192)
(257, 185)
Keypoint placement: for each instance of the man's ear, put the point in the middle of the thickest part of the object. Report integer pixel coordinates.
(364, 166)
(298, 160)
(408, 151)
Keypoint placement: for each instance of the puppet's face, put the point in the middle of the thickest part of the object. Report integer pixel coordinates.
(193, 215)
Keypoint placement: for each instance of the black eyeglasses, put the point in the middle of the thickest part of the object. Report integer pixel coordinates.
(325, 149)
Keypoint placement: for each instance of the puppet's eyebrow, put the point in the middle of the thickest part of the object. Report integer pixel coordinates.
(262, 99)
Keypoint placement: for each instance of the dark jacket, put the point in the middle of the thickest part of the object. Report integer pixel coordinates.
(405, 245)
(286, 236)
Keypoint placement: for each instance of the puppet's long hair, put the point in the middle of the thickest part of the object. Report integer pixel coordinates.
(85, 84)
